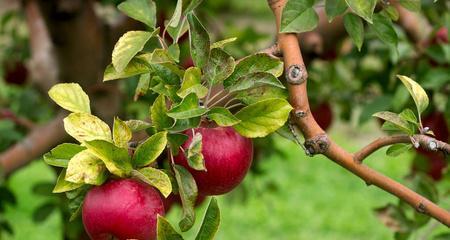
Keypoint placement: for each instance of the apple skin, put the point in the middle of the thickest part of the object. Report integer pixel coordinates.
(227, 157)
(124, 209)
(323, 115)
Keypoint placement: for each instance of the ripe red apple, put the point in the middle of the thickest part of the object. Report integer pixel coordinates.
(227, 157)
(323, 115)
(122, 209)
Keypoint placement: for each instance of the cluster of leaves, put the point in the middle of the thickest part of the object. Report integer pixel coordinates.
(185, 98)
(300, 16)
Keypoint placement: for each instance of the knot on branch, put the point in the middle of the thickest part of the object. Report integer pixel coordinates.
(296, 74)
(300, 113)
(316, 145)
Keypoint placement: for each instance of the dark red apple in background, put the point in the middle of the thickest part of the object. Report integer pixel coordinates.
(15, 72)
(435, 160)
(227, 157)
(323, 115)
(441, 36)
(122, 209)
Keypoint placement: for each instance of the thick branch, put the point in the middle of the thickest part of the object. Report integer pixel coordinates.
(424, 141)
(39, 141)
(316, 139)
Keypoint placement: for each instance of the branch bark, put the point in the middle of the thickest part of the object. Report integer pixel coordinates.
(316, 139)
(34, 145)
(426, 142)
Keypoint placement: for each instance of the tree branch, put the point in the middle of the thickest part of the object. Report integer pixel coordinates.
(424, 141)
(316, 139)
(34, 145)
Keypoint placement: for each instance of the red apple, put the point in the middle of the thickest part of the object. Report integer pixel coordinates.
(323, 115)
(122, 209)
(227, 157)
(16, 73)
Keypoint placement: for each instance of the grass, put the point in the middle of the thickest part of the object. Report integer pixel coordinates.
(292, 197)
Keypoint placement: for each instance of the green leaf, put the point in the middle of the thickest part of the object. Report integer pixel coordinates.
(175, 141)
(262, 118)
(156, 178)
(210, 223)
(259, 62)
(398, 149)
(193, 5)
(223, 117)
(412, 5)
(71, 97)
(63, 186)
(192, 83)
(254, 80)
(150, 149)
(194, 153)
(137, 125)
(175, 20)
(85, 127)
(396, 120)
(408, 115)
(219, 67)
(61, 154)
(188, 108)
(85, 167)
(188, 193)
(355, 29)
(222, 43)
(174, 52)
(134, 67)
(261, 93)
(391, 12)
(418, 94)
(363, 8)
(199, 41)
(121, 133)
(183, 124)
(166, 231)
(179, 30)
(292, 16)
(140, 10)
(384, 29)
(305, 22)
(127, 47)
(334, 8)
(41, 213)
(76, 198)
(158, 114)
(116, 159)
(142, 87)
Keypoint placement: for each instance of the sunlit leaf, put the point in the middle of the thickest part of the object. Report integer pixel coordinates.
(121, 133)
(127, 47)
(194, 153)
(63, 186)
(188, 108)
(262, 118)
(85, 127)
(116, 159)
(166, 231)
(71, 97)
(254, 80)
(418, 94)
(134, 67)
(60, 155)
(395, 119)
(137, 125)
(150, 149)
(219, 67)
(85, 167)
(291, 18)
(158, 114)
(141, 10)
(155, 178)
(192, 83)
